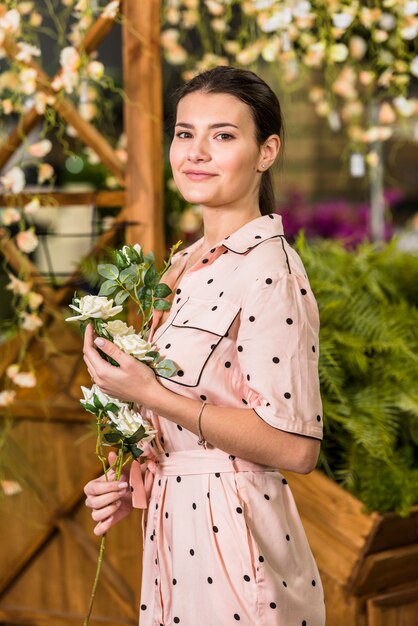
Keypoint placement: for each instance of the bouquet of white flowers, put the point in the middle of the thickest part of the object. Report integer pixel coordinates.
(132, 276)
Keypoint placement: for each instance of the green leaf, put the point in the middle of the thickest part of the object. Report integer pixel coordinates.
(162, 305)
(166, 368)
(97, 402)
(162, 290)
(137, 436)
(152, 354)
(130, 273)
(108, 270)
(151, 277)
(112, 407)
(90, 408)
(135, 451)
(107, 287)
(121, 296)
(120, 259)
(150, 257)
(113, 437)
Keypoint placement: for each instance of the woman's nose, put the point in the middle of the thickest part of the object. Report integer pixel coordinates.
(198, 151)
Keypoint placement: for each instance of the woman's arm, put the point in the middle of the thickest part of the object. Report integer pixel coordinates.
(236, 431)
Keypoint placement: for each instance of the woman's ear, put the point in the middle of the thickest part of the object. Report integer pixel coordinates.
(269, 151)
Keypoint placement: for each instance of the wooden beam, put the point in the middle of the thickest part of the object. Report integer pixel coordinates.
(143, 124)
(56, 198)
(10, 614)
(110, 577)
(98, 31)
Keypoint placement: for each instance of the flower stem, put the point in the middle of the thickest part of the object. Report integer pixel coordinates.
(119, 465)
(96, 580)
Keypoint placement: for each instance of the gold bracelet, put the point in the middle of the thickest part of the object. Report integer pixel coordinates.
(201, 441)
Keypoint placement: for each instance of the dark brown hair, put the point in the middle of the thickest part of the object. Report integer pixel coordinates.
(264, 105)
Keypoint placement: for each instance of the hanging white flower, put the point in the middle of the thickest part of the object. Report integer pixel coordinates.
(7, 397)
(30, 321)
(14, 180)
(17, 286)
(32, 207)
(9, 216)
(27, 241)
(40, 149)
(97, 307)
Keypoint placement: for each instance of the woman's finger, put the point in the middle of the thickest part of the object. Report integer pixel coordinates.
(102, 527)
(105, 499)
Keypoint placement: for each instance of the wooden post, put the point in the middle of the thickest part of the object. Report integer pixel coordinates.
(143, 124)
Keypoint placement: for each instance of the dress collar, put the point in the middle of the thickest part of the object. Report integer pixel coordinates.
(245, 238)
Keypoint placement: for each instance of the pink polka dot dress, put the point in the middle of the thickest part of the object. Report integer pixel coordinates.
(223, 541)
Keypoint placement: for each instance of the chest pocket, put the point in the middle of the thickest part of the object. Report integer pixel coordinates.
(195, 331)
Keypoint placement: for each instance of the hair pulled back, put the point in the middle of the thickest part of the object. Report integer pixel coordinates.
(258, 96)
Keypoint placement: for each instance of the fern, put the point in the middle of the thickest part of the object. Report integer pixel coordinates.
(368, 302)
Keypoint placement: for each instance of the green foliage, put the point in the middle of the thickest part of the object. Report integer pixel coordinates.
(368, 368)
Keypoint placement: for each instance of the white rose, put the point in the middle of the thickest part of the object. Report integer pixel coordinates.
(134, 345)
(7, 397)
(127, 421)
(136, 247)
(27, 241)
(94, 306)
(101, 395)
(117, 328)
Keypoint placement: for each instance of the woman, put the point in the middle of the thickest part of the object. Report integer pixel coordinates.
(223, 542)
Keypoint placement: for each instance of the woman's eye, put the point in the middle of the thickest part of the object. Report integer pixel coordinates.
(183, 134)
(224, 136)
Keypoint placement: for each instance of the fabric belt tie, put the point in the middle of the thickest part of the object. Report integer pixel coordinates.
(185, 463)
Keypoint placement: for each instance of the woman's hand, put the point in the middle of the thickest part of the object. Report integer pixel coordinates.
(132, 381)
(109, 500)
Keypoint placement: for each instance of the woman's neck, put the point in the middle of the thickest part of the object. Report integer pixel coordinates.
(219, 223)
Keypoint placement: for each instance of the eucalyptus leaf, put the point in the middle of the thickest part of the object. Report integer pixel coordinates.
(152, 354)
(162, 290)
(130, 273)
(166, 368)
(162, 305)
(108, 270)
(151, 277)
(120, 259)
(121, 296)
(108, 287)
(150, 257)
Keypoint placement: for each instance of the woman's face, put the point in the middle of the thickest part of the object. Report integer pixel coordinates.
(214, 154)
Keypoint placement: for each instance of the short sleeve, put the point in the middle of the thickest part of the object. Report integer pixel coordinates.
(278, 352)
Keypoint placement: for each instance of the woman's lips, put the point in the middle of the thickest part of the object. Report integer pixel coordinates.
(195, 175)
